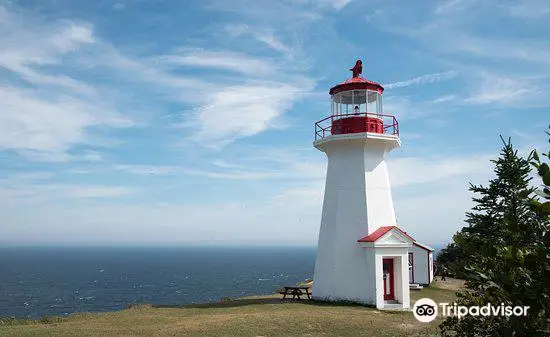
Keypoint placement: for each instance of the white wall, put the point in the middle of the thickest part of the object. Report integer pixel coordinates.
(380, 211)
(357, 201)
(341, 269)
(431, 266)
(423, 265)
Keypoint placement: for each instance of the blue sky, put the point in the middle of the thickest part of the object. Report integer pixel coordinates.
(173, 122)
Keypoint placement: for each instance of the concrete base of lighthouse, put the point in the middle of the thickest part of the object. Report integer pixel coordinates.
(357, 203)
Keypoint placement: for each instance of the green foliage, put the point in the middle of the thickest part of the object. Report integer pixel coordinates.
(506, 257)
(452, 257)
(543, 170)
(469, 325)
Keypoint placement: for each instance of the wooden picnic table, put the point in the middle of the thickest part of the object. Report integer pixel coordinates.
(297, 292)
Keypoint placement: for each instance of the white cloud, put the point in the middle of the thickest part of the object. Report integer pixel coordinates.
(43, 120)
(223, 171)
(424, 79)
(57, 156)
(46, 46)
(258, 222)
(507, 91)
(46, 194)
(525, 50)
(414, 171)
(234, 174)
(459, 37)
(46, 122)
(443, 99)
(233, 61)
(264, 35)
(245, 110)
(404, 108)
(32, 123)
(85, 192)
(529, 9)
(119, 6)
(340, 4)
(337, 5)
(454, 6)
(272, 41)
(433, 216)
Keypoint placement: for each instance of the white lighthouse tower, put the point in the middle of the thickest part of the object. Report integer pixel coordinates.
(362, 256)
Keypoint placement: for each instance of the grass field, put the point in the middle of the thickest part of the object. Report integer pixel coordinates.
(252, 316)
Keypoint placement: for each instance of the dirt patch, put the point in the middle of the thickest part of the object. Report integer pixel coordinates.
(449, 283)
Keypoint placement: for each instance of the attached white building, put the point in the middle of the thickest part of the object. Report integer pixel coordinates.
(421, 269)
(362, 256)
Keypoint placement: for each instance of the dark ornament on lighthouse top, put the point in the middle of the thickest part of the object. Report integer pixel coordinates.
(356, 82)
(357, 69)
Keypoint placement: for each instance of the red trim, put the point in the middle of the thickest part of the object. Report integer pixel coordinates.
(356, 125)
(356, 83)
(391, 295)
(323, 128)
(411, 260)
(377, 234)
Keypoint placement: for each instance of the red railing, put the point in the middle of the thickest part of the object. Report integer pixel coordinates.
(323, 127)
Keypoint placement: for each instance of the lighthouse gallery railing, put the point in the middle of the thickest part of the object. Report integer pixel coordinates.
(323, 127)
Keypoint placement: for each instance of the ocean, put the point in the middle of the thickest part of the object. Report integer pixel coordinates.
(43, 281)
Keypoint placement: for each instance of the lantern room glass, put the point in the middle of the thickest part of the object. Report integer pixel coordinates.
(356, 101)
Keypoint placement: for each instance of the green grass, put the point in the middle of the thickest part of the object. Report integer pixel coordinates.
(252, 316)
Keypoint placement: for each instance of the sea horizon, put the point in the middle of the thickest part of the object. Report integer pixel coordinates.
(45, 280)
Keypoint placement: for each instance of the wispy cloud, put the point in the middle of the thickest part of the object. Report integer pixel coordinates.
(35, 123)
(228, 172)
(47, 114)
(264, 35)
(244, 110)
(529, 9)
(453, 6)
(52, 120)
(412, 171)
(50, 192)
(444, 98)
(424, 79)
(507, 91)
(337, 5)
(238, 62)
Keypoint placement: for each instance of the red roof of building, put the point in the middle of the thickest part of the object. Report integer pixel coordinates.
(356, 83)
(377, 234)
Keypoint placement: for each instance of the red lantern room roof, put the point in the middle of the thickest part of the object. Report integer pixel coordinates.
(356, 82)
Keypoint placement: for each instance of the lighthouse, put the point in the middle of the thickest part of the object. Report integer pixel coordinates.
(362, 255)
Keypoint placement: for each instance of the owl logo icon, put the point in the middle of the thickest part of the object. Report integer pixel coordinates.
(425, 310)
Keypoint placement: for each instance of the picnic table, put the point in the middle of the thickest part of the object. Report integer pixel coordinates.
(296, 292)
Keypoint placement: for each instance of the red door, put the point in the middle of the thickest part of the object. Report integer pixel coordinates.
(387, 271)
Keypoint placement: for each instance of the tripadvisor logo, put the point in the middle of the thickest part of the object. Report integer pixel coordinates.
(425, 310)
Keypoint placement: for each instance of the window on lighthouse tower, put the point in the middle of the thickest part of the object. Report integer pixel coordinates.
(356, 110)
